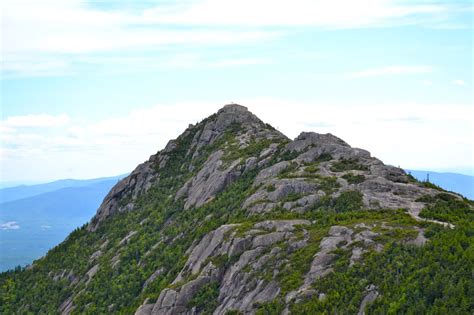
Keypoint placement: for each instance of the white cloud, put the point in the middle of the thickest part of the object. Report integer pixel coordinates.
(391, 70)
(412, 135)
(39, 35)
(12, 225)
(47, 37)
(40, 120)
(427, 82)
(318, 13)
(459, 82)
(239, 62)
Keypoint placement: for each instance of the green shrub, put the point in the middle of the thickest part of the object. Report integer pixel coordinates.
(348, 165)
(311, 169)
(328, 184)
(324, 157)
(205, 300)
(348, 201)
(354, 179)
(292, 197)
(270, 308)
(447, 207)
(271, 188)
(431, 185)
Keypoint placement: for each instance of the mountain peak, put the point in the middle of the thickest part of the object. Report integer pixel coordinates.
(234, 113)
(233, 107)
(232, 128)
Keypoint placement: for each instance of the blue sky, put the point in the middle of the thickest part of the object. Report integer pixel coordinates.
(93, 88)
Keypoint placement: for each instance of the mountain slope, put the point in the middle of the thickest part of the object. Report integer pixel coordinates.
(234, 218)
(43, 221)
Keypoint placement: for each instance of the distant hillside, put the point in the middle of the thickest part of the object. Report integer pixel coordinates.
(460, 183)
(29, 227)
(25, 191)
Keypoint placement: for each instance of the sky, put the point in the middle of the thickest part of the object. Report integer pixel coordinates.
(93, 88)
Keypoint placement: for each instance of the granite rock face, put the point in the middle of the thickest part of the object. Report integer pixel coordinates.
(322, 160)
(236, 258)
(247, 253)
(210, 180)
(127, 189)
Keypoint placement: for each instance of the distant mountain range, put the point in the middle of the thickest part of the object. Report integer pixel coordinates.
(35, 218)
(460, 183)
(24, 191)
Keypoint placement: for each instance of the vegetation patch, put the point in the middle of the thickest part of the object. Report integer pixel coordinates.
(328, 184)
(448, 208)
(433, 279)
(428, 184)
(354, 179)
(324, 157)
(205, 300)
(292, 197)
(311, 169)
(270, 188)
(287, 155)
(288, 171)
(348, 165)
(254, 148)
(348, 201)
(292, 275)
(269, 308)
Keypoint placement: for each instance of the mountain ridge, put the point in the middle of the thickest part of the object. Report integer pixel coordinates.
(24, 191)
(232, 217)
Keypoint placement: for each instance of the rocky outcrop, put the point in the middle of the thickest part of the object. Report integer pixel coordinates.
(91, 273)
(144, 309)
(122, 195)
(313, 140)
(206, 247)
(322, 264)
(369, 298)
(209, 181)
(153, 277)
(245, 263)
(232, 258)
(66, 307)
(127, 238)
(327, 166)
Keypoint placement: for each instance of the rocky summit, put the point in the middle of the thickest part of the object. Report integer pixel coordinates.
(232, 217)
